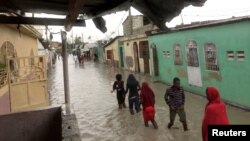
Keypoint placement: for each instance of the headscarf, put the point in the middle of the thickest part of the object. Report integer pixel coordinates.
(213, 95)
(147, 95)
(131, 80)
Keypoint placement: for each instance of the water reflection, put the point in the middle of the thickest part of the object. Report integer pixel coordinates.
(100, 119)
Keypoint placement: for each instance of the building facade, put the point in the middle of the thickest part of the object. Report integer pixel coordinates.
(135, 42)
(136, 53)
(23, 74)
(112, 54)
(215, 53)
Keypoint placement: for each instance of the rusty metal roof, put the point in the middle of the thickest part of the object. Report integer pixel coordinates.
(158, 11)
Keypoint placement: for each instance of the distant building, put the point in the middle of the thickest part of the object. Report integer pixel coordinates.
(100, 50)
(112, 52)
(54, 44)
(137, 25)
(91, 49)
(135, 43)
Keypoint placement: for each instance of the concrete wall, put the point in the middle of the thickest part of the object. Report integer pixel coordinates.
(232, 79)
(127, 29)
(129, 53)
(143, 29)
(22, 42)
(25, 44)
(114, 47)
(4, 100)
(137, 22)
(40, 125)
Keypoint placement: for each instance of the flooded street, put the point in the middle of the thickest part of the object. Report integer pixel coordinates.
(99, 118)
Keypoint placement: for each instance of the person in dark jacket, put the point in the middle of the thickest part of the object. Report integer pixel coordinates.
(133, 87)
(120, 91)
(215, 111)
(175, 99)
(148, 101)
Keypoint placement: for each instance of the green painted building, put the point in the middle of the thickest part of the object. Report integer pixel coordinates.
(211, 53)
(100, 52)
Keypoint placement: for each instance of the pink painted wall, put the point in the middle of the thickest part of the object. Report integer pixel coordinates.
(4, 103)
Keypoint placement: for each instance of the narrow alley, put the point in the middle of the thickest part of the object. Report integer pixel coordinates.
(99, 118)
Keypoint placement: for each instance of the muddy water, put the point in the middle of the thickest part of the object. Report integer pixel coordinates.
(99, 118)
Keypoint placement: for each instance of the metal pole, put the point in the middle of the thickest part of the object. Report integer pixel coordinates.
(131, 21)
(65, 71)
(182, 23)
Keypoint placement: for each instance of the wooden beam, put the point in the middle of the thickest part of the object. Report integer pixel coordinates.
(75, 8)
(37, 21)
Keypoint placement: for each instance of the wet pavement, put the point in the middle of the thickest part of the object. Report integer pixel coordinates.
(99, 118)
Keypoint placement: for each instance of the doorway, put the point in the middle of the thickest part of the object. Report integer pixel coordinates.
(136, 57)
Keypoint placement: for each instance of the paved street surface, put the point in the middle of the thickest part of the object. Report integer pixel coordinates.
(99, 118)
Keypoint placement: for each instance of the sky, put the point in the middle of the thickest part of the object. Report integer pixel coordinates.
(212, 10)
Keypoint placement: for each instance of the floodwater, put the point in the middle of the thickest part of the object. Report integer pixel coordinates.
(99, 118)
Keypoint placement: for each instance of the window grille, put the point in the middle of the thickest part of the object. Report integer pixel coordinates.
(192, 54)
(177, 54)
(211, 57)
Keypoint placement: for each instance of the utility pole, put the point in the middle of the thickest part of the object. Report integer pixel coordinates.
(72, 35)
(65, 71)
(82, 37)
(46, 32)
(131, 21)
(182, 23)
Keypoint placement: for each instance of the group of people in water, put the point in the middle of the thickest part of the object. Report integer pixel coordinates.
(215, 110)
(80, 57)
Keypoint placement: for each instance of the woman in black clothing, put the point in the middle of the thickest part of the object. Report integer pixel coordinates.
(133, 97)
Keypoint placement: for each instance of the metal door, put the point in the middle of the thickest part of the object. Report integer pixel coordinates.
(193, 67)
(121, 56)
(27, 82)
(136, 57)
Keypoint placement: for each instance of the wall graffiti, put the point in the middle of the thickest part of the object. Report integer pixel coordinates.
(129, 61)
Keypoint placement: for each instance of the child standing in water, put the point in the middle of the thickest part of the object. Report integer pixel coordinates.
(148, 101)
(120, 91)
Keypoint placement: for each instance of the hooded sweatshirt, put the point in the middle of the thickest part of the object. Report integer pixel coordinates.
(215, 112)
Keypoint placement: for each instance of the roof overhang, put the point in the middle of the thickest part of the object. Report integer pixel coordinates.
(158, 11)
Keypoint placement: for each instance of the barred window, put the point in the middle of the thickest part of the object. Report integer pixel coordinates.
(7, 51)
(192, 54)
(211, 57)
(177, 54)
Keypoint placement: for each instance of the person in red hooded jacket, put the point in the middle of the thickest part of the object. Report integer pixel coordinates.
(148, 101)
(215, 111)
